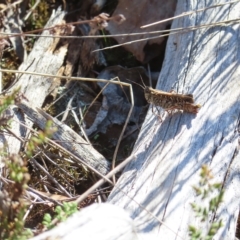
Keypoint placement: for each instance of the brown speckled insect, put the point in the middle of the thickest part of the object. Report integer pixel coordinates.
(170, 101)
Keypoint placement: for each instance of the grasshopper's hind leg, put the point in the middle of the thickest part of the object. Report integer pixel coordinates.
(158, 114)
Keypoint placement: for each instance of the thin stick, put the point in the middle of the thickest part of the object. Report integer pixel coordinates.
(79, 125)
(31, 10)
(64, 77)
(68, 108)
(81, 122)
(55, 26)
(173, 31)
(30, 208)
(27, 34)
(188, 13)
(41, 195)
(87, 36)
(94, 100)
(104, 179)
(170, 32)
(123, 130)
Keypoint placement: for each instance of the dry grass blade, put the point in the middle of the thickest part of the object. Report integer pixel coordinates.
(100, 21)
(123, 130)
(32, 9)
(189, 13)
(79, 124)
(30, 208)
(175, 31)
(94, 100)
(68, 108)
(168, 32)
(32, 191)
(28, 34)
(67, 78)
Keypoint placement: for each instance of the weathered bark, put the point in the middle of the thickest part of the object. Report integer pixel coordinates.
(99, 221)
(68, 139)
(47, 57)
(35, 88)
(170, 154)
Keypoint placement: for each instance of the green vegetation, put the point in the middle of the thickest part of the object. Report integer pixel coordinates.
(40, 139)
(62, 213)
(203, 191)
(12, 204)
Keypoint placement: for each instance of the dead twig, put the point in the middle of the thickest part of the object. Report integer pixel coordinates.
(189, 13)
(175, 31)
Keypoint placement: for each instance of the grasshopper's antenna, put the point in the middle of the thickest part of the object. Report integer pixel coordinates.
(149, 75)
(142, 81)
(138, 84)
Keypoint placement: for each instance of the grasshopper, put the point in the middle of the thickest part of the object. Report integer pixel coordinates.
(170, 101)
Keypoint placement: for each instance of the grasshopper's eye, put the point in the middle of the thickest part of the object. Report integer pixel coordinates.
(147, 90)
